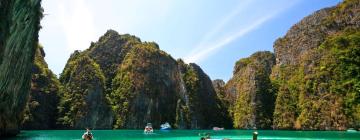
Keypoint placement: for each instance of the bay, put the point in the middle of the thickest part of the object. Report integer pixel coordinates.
(186, 135)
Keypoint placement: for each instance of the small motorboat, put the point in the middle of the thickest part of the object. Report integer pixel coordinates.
(351, 130)
(148, 129)
(165, 126)
(218, 128)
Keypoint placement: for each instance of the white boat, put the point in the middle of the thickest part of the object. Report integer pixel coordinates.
(351, 130)
(165, 126)
(148, 129)
(218, 128)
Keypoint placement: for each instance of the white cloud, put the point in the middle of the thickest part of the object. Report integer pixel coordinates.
(241, 6)
(200, 55)
(77, 18)
(202, 51)
(77, 22)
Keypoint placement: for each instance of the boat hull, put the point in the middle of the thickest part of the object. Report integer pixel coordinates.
(165, 128)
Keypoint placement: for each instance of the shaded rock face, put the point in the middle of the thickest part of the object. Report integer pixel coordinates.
(146, 88)
(200, 107)
(218, 83)
(312, 69)
(41, 109)
(104, 57)
(83, 100)
(17, 50)
(220, 89)
(254, 103)
(109, 52)
(142, 84)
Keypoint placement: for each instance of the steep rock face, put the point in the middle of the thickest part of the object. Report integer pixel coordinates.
(146, 88)
(83, 100)
(311, 31)
(255, 99)
(142, 85)
(201, 108)
(109, 52)
(218, 84)
(105, 56)
(317, 66)
(19, 26)
(220, 89)
(41, 109)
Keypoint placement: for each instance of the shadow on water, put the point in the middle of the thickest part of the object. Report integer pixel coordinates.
(23, 136)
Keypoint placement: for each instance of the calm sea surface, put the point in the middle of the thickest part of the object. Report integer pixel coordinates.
(187, 135)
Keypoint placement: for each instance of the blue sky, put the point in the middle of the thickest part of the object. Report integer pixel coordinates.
(212, 33)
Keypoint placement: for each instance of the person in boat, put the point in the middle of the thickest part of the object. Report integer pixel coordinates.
(206, 136)
(87, 135)
(148, 128)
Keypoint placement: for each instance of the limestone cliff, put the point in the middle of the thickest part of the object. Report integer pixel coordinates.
(19, 26)
(109, 52)
(220, 89)
(254, 98)
(143, 84)
(41, 109)
(83, 101)
(146, 88)
(200, 107)
(317, 71)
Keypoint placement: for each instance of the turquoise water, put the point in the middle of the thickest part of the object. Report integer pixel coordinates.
(187, 135)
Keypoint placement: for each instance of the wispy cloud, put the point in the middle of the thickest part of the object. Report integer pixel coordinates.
(241, 6)
(200, 55)
(77, 22)
(201, 51)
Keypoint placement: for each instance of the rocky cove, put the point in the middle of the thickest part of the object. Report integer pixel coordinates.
(310, 82)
